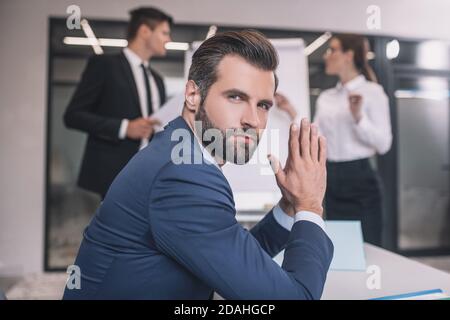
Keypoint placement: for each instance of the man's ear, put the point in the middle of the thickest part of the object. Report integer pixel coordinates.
(144, 30)
(192, 96)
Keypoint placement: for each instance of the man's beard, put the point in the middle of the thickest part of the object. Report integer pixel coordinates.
(232, 149)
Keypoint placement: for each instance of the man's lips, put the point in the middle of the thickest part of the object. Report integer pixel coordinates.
(246, 138)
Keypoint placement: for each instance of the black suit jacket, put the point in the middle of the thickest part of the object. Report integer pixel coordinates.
(106, 94)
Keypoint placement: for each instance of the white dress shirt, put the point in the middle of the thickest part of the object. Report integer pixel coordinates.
(283, 219)
(347, 139)
(135, 63)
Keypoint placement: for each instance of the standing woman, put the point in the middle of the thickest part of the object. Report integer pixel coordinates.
(354, 117)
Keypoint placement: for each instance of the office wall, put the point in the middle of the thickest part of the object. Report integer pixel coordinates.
(23, 83)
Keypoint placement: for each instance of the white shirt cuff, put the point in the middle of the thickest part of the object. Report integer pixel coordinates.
(123, 129)
(283, 219)
(311, 217)
(287, 221)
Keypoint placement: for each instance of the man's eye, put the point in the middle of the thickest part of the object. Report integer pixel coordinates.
(235, 97)
(265, 106)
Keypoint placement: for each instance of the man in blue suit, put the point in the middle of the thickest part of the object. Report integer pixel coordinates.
(167, 229)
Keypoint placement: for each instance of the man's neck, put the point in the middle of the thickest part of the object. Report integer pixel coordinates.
(190, 122)
(140, 50)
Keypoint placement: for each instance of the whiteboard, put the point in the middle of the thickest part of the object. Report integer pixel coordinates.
(253, 184)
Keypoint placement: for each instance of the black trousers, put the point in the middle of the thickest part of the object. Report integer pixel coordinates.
(354, 192)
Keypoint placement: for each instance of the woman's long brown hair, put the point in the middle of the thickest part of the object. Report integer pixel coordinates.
(360, 47)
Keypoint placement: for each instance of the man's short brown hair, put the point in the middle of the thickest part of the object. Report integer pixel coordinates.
(149, 16)
(251, 45)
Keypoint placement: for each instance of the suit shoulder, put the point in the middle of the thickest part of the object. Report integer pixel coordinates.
(200, 173)
(105, 59)
(203, 180)
(99, 62)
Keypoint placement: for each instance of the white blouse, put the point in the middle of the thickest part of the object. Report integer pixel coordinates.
(346, 139)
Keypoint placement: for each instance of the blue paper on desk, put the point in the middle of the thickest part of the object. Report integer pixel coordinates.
(348, 245)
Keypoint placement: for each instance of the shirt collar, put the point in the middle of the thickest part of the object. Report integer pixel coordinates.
(352, 84)
(206, 155)
(133, 58)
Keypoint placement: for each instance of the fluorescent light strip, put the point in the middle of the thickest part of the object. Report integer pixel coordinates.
(316, 44)
(93, 41)
(211, 31)
(181, 46)
(110, 42)
(104, 42)
(76, 41)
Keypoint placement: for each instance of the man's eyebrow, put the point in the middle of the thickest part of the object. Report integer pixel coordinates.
(267, 101)
(236, 92)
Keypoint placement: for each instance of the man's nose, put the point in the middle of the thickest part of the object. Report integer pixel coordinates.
(250, 116)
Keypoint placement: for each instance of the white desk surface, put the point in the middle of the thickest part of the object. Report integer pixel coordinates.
(398, 275)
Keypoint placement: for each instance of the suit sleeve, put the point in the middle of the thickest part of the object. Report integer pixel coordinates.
(271, 236)
(192, 220)
(81, 112)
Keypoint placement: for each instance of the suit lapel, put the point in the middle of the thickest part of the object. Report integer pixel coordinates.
(130, 80)
(160, 87)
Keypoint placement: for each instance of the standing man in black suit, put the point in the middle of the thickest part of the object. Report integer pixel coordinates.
(115, 99)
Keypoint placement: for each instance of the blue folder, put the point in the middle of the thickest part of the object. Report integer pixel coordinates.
(348, 245)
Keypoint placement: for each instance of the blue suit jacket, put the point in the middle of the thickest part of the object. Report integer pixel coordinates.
(168, 231)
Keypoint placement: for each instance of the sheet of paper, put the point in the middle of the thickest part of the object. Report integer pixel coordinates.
(171, 109)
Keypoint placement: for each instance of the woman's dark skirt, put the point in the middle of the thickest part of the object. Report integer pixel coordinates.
(354, 192)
